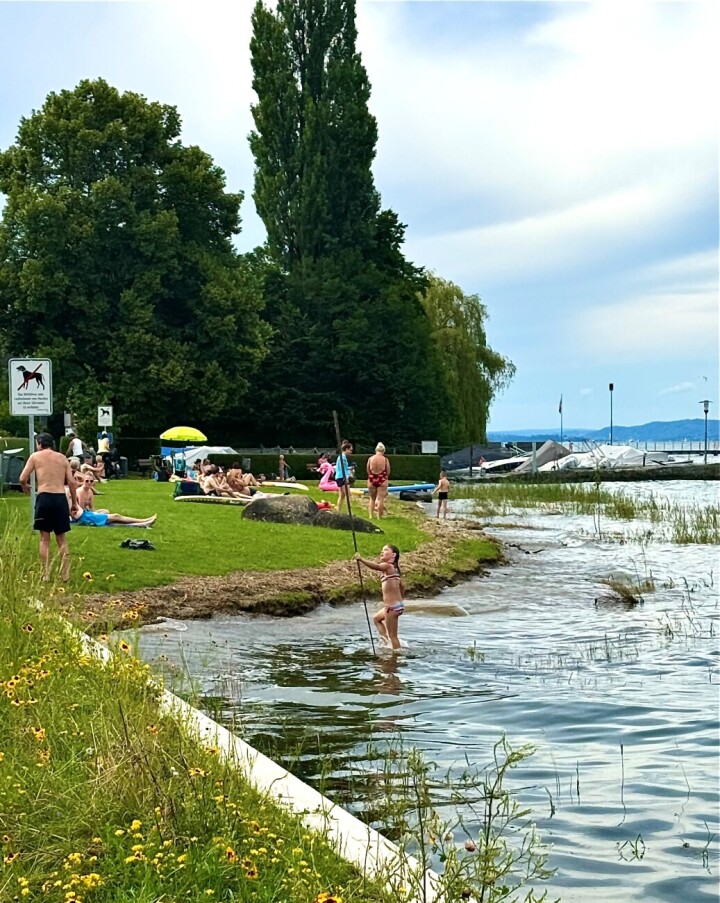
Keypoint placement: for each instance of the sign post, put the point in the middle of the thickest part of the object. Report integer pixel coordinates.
(105, 415)
(30, 381)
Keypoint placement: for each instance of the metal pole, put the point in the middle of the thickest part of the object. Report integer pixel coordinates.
(352, 527)
(612, 386)
(31, 449)
(706, 408)
(471, 454)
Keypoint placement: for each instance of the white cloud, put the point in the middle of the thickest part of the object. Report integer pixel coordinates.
(600, 98)
(651, 325)
(677, 389)
(588, 232)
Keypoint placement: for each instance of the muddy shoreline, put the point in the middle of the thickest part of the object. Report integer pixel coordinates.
(443, 560)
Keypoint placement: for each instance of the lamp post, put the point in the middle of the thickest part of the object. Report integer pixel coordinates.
(612, 386)
(706, 409)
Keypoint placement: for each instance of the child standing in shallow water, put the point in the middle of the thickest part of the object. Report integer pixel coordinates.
(393, 591)
(443, 491)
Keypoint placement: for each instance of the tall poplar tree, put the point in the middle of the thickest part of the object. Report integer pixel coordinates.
(350, 332)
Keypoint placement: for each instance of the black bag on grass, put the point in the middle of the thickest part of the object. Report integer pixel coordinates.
(137, 544)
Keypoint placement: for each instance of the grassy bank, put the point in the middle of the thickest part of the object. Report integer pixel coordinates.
(207, 558)
(199, 540)
(103, 799)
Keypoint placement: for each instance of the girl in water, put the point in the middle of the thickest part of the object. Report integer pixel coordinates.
(393, 592)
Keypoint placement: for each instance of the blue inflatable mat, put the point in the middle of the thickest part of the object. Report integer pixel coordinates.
(412, 487)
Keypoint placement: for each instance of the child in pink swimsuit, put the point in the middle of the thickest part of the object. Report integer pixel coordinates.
(393, 592)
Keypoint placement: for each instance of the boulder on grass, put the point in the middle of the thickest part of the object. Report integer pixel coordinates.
(298, 509)
(283, 509)
(335, 520)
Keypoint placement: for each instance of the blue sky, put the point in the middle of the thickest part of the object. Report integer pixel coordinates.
(558, 159)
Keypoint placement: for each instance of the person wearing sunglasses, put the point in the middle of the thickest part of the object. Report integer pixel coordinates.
(89, 517)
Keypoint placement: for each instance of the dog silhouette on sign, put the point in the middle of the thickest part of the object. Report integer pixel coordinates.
(28, 377)
(104, 412)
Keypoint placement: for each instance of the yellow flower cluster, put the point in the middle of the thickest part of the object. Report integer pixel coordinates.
(19, 689)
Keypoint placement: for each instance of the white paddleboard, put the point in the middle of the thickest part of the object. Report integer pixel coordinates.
(214, 499)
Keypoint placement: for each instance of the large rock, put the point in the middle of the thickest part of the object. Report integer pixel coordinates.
(284, 509)
(298, 509)
(335, 520)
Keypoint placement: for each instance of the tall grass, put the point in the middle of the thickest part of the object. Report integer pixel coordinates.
(671, 521)
(104, 799)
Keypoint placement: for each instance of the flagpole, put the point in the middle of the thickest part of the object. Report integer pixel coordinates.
(561, 421)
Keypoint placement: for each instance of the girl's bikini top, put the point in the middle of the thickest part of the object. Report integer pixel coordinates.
(395, 576)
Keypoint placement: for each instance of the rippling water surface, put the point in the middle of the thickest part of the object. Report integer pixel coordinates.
(620, 702)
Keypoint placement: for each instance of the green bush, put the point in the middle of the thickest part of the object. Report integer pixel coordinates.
(419, 468)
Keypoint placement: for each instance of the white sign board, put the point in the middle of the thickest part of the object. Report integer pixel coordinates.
(30, 382)
(105, 415)
(429, 448)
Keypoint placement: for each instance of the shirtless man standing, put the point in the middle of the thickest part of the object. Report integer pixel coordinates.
(53, 474)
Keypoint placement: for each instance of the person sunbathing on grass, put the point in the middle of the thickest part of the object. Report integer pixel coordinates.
(215, 483)
(89, 517)
(97, 470)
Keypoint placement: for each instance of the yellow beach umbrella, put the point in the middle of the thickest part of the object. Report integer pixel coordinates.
(183, 434)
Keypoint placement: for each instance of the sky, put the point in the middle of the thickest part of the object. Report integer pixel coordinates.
(559, 160)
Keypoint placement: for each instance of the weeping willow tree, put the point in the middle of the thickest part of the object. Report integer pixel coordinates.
(473, 372)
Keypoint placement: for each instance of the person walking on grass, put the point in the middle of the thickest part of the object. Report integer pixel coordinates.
(53, 474)
(443, 491)
(393, 593)
(342, 473)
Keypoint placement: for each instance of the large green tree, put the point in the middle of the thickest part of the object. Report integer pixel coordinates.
(472, 372)
(116, 261)
(349, 331)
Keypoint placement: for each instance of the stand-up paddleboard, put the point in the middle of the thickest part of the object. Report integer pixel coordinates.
(279, 485)
(428, 607)
(411, 487)
(216, 499)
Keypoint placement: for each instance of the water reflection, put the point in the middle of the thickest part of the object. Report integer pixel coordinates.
(621, 702)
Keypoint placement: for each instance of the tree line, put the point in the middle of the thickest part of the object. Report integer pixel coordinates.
(117, 261)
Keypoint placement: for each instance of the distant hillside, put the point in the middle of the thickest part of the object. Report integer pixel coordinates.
(657, 431)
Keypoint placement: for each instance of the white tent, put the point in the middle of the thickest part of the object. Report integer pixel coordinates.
(204, 451)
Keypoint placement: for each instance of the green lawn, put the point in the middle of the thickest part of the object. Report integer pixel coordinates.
(195, 539)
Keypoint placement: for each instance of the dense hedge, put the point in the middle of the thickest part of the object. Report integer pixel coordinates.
(419, 468)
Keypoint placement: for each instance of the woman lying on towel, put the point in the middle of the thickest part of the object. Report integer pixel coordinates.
(89, 517)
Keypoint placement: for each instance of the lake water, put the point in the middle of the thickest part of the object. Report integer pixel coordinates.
(620, 702)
